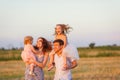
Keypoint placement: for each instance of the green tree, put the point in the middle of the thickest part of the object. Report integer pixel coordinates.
(92, 45)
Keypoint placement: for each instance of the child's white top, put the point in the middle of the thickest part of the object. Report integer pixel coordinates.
(71, 51)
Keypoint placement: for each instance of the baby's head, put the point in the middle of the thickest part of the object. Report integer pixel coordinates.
(28, 40)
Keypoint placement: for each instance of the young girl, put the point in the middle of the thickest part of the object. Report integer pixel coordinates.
(69, 50)
(28, 52)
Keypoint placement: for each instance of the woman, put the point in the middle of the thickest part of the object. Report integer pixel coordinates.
(41, 59)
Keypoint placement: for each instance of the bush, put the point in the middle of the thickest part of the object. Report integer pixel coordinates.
(6, 55)
(92, 45)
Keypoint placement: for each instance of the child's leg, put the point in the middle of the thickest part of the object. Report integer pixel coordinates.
(32, 64)
(51, 63)
(51, 58)
(31, 67)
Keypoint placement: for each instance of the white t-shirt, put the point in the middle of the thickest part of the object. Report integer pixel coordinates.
(59, 73)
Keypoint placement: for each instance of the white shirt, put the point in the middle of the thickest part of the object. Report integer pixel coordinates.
(59, 73)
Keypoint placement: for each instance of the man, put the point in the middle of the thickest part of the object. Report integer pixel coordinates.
(61, 74)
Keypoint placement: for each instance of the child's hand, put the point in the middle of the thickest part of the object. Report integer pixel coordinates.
(65, 67)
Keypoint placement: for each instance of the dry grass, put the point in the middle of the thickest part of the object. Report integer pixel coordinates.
(106, 68)
(94, 52)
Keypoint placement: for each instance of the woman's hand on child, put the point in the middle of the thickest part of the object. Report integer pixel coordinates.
(32, 61)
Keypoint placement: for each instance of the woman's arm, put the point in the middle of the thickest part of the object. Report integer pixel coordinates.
(43, 64)
(45, 59)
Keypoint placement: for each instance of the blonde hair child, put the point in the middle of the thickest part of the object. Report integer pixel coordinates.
(69, 51)
(28, 53)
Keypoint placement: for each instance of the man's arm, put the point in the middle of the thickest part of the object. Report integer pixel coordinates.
(73, 64)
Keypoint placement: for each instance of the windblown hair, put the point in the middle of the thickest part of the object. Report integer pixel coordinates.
(65, 28)
(46, 44)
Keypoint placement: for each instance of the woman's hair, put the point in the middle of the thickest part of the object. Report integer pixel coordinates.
(27, 39)
(46, 44)
(65, 28)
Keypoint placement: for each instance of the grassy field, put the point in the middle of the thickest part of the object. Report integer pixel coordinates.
(104, 51)
(104, 68)
(100, 63)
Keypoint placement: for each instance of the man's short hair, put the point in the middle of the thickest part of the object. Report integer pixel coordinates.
(61, 42)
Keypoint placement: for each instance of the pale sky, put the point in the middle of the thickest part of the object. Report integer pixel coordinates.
(92, 21)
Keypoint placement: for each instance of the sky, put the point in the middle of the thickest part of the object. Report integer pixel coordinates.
(95, 21)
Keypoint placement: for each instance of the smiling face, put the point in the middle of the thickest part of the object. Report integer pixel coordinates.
(58, 30)
(57, 47)
(39, 43)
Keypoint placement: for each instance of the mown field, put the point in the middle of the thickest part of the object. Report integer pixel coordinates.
(100, 63)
